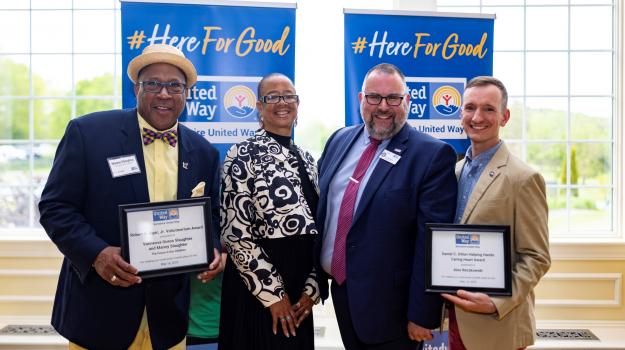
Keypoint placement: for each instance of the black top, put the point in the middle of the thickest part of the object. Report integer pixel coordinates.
(311, 196)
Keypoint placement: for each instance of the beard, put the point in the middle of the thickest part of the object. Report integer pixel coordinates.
(380, 132)
(398, 119)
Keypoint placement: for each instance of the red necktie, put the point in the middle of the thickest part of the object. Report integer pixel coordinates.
(346, 211)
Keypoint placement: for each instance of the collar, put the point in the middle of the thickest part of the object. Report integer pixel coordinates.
(366, 138)
(144, 124)
(488, 154)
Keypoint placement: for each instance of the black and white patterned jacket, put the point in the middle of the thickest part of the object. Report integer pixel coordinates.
(262, 198)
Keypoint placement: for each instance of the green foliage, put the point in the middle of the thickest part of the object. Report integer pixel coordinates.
(513, 129)
(60, 114)
(98, 86)
(590, 127)
(547, 159)
(546, 124)
(312, 136)
(583, 203)
(559, 202)
(50, 116)
(590, 162)
(50, 123)
(574, 171)
(14, 113)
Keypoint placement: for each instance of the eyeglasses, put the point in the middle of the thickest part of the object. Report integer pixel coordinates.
(173, 87)
(273, 99)
(391, 100)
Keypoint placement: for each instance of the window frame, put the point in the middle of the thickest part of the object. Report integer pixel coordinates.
(33, 230)
(570, 236)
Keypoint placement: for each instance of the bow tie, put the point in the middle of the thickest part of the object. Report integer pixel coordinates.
(170, 137)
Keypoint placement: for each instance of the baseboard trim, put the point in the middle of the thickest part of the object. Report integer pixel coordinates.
(21, 319)
(27, 298)
(36, 248)
(587, 250)
(615, 278)
(580, 323)
(29, 272)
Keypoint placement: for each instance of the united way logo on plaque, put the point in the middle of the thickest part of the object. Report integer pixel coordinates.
(468, 239)
(165, 214)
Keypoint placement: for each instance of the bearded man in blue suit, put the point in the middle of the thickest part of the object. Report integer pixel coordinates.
(120, 157)
(380, 183)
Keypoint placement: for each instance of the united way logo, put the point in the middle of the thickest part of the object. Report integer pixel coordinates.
(165, 214)
(240, 101)
(468, 239)
(446, 100)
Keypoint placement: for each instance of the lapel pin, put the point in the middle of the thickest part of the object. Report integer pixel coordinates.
(185, 165)
(492, 173)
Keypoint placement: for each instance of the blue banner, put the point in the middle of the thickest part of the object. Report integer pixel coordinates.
(232, 48)
(437, 52)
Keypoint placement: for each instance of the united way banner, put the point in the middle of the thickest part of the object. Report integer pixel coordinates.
(232, 47)
(438, 53)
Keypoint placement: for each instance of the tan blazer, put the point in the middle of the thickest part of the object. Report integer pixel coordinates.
(509, 192)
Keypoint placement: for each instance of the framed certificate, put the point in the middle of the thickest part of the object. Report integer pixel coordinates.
(166, 238)
(470, 257)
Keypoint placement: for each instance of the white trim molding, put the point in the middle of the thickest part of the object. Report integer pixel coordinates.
(609, 250)
(37, 248)
(26, 298)
(579, 324)
(615, 302)
(29, 272)
(220, 3)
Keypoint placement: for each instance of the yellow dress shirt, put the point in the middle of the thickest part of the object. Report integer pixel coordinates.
(161, 166)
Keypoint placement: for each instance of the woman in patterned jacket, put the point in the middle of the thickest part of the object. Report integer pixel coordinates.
(269, 197)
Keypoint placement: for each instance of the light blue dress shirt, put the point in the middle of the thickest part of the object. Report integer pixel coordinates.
(471, 171)
(337, 188)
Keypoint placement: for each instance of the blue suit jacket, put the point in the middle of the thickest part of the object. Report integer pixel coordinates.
(79, 211)
(385, 244)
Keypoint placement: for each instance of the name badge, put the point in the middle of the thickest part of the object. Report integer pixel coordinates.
(390, 157)
(124, 165)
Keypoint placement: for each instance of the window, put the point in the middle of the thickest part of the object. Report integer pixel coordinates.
(558, 59)
(61, 59)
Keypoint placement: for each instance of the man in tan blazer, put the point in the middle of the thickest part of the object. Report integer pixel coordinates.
(495, 187)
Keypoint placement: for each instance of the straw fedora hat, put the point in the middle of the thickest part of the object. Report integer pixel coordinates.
(161, 53)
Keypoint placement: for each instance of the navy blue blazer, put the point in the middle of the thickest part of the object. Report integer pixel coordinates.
(385, 244)
(79, 211)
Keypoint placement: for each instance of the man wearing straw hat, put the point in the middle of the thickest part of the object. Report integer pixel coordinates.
(119, 157)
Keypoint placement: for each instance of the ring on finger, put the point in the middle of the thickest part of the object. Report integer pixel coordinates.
(288, 318)
(305, 312)
(113, 278)
(282, 318)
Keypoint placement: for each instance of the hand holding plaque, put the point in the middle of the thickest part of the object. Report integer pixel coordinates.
(165, 238)
(472, 301)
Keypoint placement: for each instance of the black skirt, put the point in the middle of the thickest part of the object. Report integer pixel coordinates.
(245, 323)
